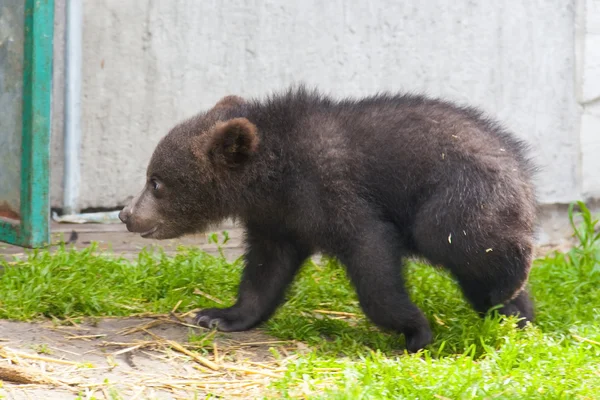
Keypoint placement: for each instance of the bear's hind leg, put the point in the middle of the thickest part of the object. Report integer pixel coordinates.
(520, 306)
(485, 241)
(483, 294)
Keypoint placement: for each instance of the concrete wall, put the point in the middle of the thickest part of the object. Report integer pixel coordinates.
(588, 92)
(148, 64)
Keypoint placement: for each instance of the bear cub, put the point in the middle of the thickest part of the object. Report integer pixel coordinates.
(370, 180)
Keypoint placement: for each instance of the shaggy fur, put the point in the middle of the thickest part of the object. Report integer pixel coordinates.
(370, 181)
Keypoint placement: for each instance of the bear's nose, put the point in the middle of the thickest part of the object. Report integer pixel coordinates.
(124, 214)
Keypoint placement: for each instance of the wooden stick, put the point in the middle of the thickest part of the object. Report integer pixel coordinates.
(347, 314)
(182, 323)
(215, 352)
(142, 327)
(583, 339)
(208, 296)
(64, 351)
(198, 358)
(176, 307)
(252, 371)
(12, 373)
(186, 314)
(42, 358)
(203, 382)
(85, 336)
(266, 342)
(128, 349)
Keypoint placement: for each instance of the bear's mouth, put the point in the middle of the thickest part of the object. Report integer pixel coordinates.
(149, 232)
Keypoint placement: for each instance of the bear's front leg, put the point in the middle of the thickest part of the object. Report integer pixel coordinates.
(270, 266)
(373, 256)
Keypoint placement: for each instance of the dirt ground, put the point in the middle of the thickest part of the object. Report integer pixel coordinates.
(141, 358)
(147, 357)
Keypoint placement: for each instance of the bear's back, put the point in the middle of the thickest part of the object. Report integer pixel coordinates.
(386, 154)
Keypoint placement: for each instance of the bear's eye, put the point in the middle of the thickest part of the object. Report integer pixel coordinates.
(154, 183)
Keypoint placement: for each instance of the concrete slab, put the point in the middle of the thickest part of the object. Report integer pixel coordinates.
(116, 239)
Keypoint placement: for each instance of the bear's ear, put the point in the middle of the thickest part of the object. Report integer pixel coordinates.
(231, 143)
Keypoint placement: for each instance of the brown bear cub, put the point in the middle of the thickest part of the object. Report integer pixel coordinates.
(370, 181)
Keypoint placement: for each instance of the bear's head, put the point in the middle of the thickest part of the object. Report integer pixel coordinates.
(195, 175)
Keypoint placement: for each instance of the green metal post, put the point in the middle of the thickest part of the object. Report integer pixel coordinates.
(33, 230)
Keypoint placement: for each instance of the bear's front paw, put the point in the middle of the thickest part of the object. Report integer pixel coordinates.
(223, 319)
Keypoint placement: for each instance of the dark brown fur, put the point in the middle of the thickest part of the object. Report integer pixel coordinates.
(370, 181)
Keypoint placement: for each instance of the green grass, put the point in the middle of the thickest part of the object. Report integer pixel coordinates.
(471, 358)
